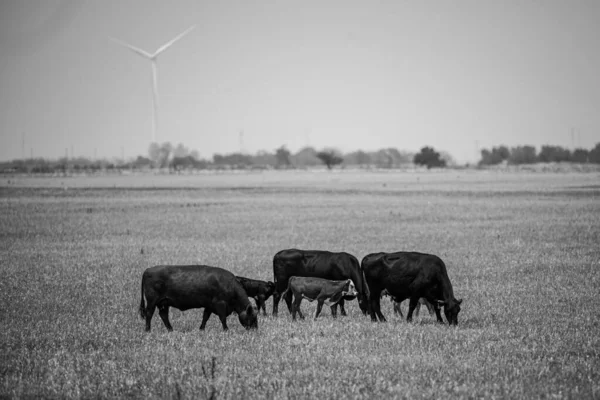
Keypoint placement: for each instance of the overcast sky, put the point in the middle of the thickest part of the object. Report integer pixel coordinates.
(345, 74)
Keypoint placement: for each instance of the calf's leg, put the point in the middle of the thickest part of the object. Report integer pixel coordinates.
(320, 307)
(296, 307)
(260, 304)
(342, 308)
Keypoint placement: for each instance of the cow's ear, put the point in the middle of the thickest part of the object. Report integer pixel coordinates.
(458, 301)
(250, 309)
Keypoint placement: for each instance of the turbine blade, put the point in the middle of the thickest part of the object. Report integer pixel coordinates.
(154, 99)
(136, 50)
(170, 42)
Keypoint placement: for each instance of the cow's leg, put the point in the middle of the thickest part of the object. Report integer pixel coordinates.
(320, 307)
(334, 311)
(438, 314)
(221, 311)
(276, 298)
(411, 308)
(418, 308)
(163, 311)
(150, 307)
(376, 309)
(205, 317)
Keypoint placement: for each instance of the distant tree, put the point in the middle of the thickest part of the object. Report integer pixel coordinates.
(554, 154)
(448, 159)
(429, 158)
(263, 159)
(496, 156)
(306, 157)
(180, 151)
(235, 160)
(282, 156)
(330, 158)
(522, 155)
(154, 152)
(362, 158)
(580, 156)
(141, 162)
(594, 155)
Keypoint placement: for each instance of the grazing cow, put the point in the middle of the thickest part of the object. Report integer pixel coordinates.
(398, 310)
(260, 291)
(195, 286)
(410, 275)
(325, 291)
(319, 264)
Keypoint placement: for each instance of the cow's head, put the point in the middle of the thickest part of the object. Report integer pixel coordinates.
(270, 289)
(248, 318)
(451, 310)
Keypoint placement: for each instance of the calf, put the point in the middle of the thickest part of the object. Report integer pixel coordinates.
(260, 291)
(323, 290)
(319, 264)
(194, 286)
(398, 310)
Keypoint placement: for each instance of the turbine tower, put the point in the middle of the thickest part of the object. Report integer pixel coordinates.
(152, 57)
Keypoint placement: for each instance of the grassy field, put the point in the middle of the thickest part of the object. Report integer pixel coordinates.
(522, 250)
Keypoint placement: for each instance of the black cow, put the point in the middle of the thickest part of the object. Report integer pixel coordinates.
(410, 275)
(194, 286)
(398, 309)
(325, 291)
(319, 264)
(260, 291)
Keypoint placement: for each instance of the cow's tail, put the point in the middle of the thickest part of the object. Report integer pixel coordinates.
(287, 289)
(142, 309)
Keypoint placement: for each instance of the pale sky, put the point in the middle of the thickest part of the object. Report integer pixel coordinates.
(346, 74)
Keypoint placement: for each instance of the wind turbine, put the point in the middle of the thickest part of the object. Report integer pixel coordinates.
(152, 57)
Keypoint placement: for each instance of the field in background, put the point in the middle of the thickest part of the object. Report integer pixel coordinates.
(521, 250)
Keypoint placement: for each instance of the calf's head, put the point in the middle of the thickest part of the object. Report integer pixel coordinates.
(270, 289)
(248, 318)
(349, 289)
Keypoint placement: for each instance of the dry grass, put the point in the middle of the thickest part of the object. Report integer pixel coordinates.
(522, 250)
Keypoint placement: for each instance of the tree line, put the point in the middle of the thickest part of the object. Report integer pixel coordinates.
(179, 158)
(529, 155)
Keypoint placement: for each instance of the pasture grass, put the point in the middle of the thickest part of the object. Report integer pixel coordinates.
(522, 253)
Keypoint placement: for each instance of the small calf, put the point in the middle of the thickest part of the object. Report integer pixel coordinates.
(398, 310)
(325, 291)
(260, 291)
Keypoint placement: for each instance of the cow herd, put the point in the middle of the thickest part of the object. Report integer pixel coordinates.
(327, 277)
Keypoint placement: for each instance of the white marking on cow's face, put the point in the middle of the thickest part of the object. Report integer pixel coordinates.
(351, 289)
